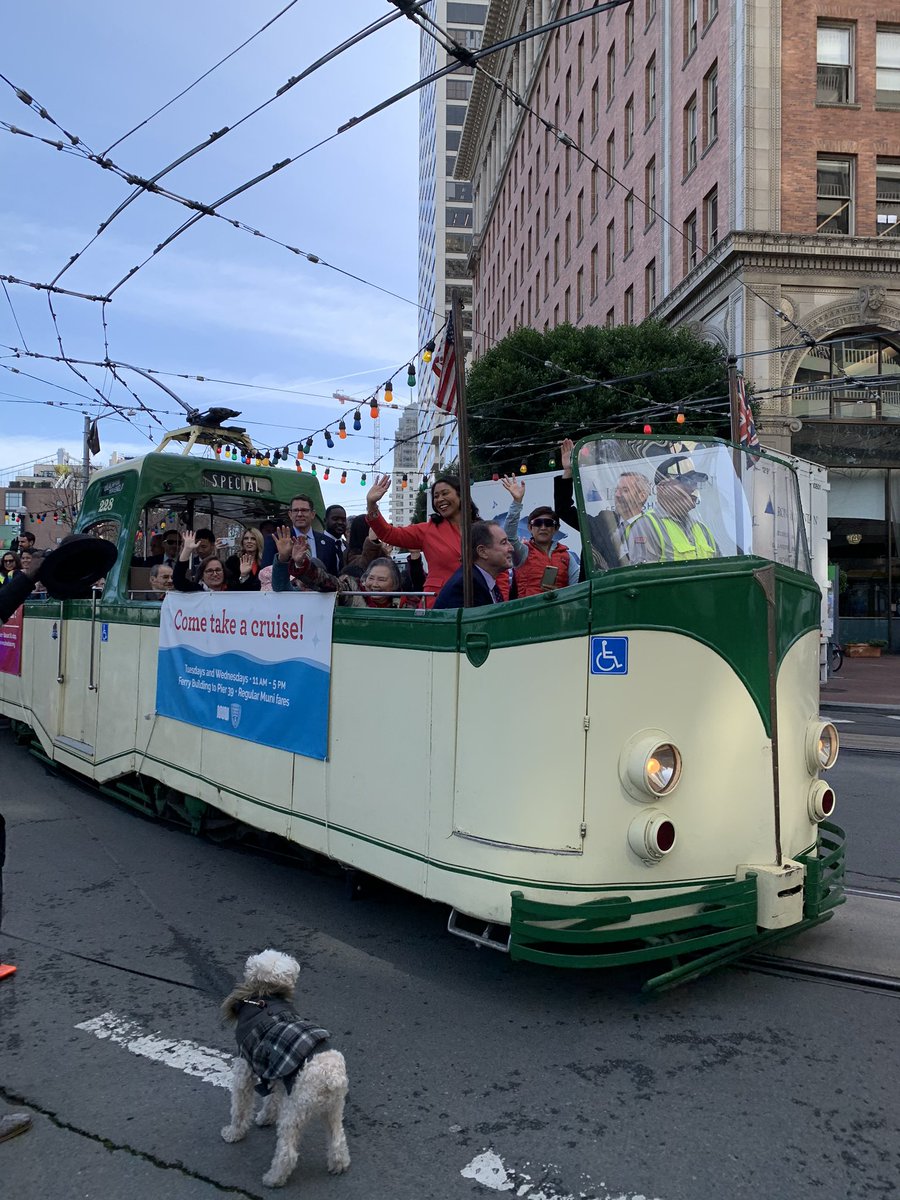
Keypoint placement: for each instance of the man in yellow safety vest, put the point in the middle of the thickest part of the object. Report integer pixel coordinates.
(670, 532)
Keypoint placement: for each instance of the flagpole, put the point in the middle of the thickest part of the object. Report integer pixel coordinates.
(734, 399)
(462, 427)
(734, 403)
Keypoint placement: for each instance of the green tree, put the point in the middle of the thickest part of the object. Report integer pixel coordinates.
(523, 399)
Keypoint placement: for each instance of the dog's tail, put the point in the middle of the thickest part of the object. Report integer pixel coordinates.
(327, 1070)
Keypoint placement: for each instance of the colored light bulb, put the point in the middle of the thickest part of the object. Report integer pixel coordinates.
(373, 411)
(411, 376)
(308, 447)
(389, 392)
(648, 429)
(343, 476)
(342, 430)
(428, 351)
(523, 470)
(327, 472)
(679, 417)
(357, 421)
(329, 440)
(404, 481)
(218, 451)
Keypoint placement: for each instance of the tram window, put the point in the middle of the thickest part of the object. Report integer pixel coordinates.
(109, 530)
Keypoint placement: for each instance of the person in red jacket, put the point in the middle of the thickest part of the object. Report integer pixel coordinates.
(438, 538)
(532, 558)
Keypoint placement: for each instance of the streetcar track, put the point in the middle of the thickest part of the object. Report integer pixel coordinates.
(773, 964)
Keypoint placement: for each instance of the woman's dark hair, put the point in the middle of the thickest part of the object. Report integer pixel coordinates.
(11, 554)
(357, 533)
(543, 510)
(206, 562)
(451, 481)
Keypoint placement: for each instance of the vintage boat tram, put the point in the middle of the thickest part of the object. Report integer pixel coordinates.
(622, 771)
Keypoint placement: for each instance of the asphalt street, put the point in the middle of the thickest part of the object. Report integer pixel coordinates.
(469, 1074)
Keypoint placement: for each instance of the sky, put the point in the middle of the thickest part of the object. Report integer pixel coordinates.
(217, 302)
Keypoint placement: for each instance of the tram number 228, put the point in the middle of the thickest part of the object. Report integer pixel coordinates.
(609, 655)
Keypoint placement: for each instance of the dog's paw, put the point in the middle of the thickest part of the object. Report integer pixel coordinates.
(264, 1117)
(271, 1179)
(339, 1162)
(230, 1134)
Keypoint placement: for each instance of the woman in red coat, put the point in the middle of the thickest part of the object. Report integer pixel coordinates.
(438, 538)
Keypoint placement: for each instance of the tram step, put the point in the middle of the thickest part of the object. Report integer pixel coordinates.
(492, 935)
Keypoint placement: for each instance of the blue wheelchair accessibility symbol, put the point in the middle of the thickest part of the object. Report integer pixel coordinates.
(609, 655)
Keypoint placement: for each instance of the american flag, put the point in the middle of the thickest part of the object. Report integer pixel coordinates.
(444, 366)
(747, 435)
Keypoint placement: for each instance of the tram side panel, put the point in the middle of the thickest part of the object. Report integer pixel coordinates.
(33, 696)
(798, 717)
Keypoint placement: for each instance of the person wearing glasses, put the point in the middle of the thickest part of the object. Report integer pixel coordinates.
(211, 575)
(10, 565)
(543, 563)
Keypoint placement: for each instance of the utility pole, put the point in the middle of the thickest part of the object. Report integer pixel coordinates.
(462, 425)
(86, 458)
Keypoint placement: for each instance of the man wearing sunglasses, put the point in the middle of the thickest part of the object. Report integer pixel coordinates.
(542, 563)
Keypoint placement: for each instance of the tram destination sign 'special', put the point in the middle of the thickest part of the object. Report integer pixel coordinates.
(234, 481)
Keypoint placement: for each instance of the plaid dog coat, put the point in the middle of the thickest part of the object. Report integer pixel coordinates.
(275, 1041)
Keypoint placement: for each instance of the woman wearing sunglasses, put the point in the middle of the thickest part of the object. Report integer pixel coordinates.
(542, 563)
(211, 574)
(10, 565)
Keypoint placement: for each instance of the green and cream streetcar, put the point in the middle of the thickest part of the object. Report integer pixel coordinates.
(623, 770)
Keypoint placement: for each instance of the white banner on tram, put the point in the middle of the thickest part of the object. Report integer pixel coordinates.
(251, 666)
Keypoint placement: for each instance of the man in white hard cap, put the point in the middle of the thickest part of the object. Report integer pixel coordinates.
(670, 531)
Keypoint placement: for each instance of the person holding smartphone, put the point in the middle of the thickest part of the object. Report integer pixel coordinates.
(542, 563)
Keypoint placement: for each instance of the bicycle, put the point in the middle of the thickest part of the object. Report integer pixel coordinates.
(837, 656)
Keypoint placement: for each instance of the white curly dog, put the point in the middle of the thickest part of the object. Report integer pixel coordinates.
(285, 1054)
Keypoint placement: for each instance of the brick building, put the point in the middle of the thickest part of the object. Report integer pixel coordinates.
(749, 166)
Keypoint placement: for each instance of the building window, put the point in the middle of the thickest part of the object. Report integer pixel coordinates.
(691, 249)
(458, 191)
(458, 218)
(567, 241)
(556, 190)
(610, 162)
(629, 225)
(834, 196)
(628, 306)
(710, 11)
(650, 193)
(580, 62)
(556, 259)
(595, 34)
(629, 33)
(834, 64)
(468, 14)
(579, 293)
(711, 218)
(711, 100)
(887, 67)
(610, 73)
(595, 108)
(611, 249)
(650, 286)
(579, 137)
(595, 272)
(567, 161)
(690, 27)
(690, 135)
(649, 11)
(567, 305)
(568, 91)
(887, 198)
(650, 90)
(595, 191)
(546, 274)
(579, 216)
(610, 318)
(456, 114)
(458, 89)
(547, 211)
(629, 129)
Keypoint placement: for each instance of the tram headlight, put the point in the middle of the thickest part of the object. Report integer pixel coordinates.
(650, 765)
(820, 801)
(822, 745)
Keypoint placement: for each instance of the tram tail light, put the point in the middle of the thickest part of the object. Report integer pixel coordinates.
(652, 836)
(821, 801)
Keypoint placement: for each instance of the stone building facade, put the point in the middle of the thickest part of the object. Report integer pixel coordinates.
(745, 182)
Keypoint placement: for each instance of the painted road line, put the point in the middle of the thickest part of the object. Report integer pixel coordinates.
(489, 1170)
(203, 1062)
(841, 721)
(891, 717)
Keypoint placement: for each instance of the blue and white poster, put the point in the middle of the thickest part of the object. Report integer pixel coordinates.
(254, 666)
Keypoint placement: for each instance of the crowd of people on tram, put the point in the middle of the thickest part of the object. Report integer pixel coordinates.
(652, 519)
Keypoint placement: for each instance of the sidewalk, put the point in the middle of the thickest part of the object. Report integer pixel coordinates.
(866, 682)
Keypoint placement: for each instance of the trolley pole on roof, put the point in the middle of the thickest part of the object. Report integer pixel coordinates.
(462, 426)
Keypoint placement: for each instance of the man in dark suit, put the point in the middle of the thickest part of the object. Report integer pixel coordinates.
(335, 528)
(491, 556)
(321, 547)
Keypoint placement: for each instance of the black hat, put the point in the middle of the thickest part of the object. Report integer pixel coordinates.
(78, 562)
(679, 469)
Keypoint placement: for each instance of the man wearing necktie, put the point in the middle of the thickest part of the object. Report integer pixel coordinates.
(302, 516)
(491, 556)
